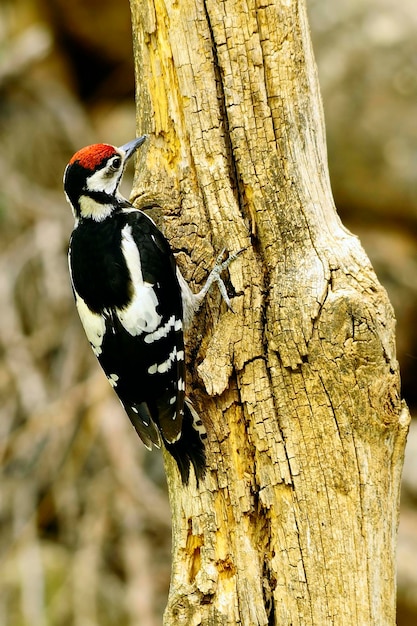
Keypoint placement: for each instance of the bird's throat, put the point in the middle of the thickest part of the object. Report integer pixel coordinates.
(94, 208)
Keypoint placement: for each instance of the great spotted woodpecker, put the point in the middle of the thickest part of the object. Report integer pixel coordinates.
(133, 303)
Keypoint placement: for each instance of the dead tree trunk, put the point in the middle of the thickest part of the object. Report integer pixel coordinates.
(299, 388)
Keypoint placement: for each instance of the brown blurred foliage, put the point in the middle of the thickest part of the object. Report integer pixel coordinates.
(85, 523)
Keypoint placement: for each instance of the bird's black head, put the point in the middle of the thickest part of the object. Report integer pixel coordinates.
(92, 178)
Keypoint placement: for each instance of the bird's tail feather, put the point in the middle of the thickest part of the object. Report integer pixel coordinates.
(189, 449)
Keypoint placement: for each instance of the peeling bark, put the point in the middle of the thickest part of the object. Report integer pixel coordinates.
(299, 387)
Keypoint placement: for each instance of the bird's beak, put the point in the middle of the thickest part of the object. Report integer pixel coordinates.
(131, 147)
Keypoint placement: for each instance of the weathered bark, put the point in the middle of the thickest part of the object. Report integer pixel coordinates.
(299, 387)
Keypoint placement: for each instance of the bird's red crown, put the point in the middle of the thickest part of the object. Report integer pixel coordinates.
(91, 156)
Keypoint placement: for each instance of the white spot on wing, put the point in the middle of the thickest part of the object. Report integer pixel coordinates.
(140, 315)
(163, 367)
(164, 330)
(166, 365)
(94, 324)
(113, 378)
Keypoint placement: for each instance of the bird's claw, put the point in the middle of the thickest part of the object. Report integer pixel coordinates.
(215, 274)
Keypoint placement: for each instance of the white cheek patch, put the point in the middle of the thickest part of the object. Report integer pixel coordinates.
(100, 182)
(94, 324)
(140, 315)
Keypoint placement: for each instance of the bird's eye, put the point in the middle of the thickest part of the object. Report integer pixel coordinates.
(116, 163)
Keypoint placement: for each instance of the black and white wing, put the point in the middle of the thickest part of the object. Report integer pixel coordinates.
(144, 345)
(139, 342)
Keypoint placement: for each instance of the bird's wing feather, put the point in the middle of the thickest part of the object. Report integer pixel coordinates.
(153, 318)
(145, 427)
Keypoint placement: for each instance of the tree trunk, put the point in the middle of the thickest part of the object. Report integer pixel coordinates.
(296, 520)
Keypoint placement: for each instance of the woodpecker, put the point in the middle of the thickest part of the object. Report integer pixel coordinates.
(134, 303)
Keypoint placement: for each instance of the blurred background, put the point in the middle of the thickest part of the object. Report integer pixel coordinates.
(84, 517)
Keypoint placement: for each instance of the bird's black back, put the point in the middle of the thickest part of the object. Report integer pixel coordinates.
(101, 278)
